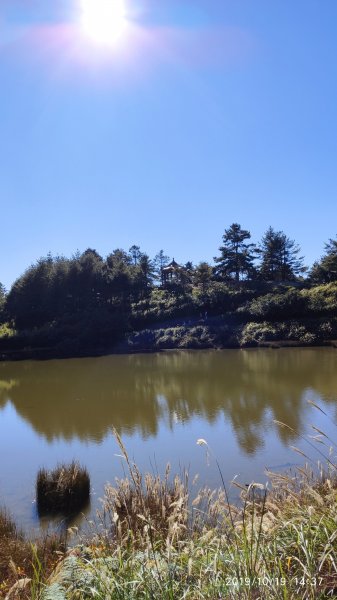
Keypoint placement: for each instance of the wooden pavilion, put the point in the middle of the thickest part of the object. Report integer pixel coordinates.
(173, 273)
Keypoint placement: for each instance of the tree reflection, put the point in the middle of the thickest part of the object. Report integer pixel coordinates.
(84, 398)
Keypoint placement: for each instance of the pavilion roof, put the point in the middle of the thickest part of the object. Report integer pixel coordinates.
(172, 266)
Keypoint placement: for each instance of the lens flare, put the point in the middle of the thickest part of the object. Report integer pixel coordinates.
(104, 20)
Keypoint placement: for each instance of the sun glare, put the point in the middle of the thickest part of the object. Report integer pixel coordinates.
(104, 20)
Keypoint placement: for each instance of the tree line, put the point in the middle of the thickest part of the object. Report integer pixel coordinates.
(55, 286)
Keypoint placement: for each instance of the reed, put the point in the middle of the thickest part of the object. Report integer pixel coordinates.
(155, 541)
(64, 490)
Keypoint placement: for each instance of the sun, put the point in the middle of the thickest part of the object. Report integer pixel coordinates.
(104, 20)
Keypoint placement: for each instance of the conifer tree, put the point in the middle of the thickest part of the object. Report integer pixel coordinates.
(280, 260)
(325, 270)
(237, 256)
(160, 262)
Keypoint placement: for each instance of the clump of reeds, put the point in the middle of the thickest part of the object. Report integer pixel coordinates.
(65, 489)
(148, 506)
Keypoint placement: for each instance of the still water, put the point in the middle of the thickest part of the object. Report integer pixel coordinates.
(60, 410)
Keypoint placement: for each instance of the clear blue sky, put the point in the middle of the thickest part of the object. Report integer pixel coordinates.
(203, 113)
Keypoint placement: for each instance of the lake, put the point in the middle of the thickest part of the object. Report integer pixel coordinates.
(60, 410)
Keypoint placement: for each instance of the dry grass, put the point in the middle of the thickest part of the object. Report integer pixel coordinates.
(64, 490)
(149, 504)
(21, 561)
(158, 543)
(154, 541)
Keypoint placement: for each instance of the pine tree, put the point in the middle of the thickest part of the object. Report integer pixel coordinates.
(160, 262)
(325, 270)
(2, 293)
(145, 274)
(236, 260)
(280, 260)
(2, 300)
(135, 254)
(203, 275)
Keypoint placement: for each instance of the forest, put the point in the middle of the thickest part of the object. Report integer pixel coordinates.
(252, 294)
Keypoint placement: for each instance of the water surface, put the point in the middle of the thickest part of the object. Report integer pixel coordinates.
(161, 404)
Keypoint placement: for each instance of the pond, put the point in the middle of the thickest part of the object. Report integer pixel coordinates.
(60, 410)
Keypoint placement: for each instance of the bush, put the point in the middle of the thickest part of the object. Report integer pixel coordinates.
(254, 333)
(322, 298)
(6, 330)
(286, 305)
(64, 490)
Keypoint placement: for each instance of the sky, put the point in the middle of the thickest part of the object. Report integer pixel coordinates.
(196, 115)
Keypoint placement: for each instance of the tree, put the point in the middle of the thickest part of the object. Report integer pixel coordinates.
(236, 260)
(160, 262)
(279, 255)
(145, 274)
(2, 300)
(325, 270)
(29, 300)
(203, 275)
(118, 277)
(90, 277)
(135, 254)
(2, 294)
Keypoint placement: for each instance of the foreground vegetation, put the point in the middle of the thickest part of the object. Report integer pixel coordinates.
(26, 564)
(153, 539)
(127, 302)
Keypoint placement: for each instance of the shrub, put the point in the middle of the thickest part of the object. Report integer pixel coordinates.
(322, 298)
(65, 490)
(299, 332)
(6, 330)
(254, 333)
(285, 305)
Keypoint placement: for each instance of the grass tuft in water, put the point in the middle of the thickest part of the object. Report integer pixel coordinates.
(64, 490)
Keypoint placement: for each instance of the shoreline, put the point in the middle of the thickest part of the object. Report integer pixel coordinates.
(245, 550)
(45, 354)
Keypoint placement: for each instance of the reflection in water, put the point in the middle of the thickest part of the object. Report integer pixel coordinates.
(60, 522)
(84, 398)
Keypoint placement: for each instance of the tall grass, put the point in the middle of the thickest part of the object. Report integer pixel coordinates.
(155, 541)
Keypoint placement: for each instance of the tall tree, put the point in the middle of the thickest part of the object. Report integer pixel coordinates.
(237, 256)
(203, 275)
(279, 255)
(160, 262)
(325, 270)
(2, 300)
(118, 278)
(2, 294)
(29, 300)
(135, 254)
(145, 274)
